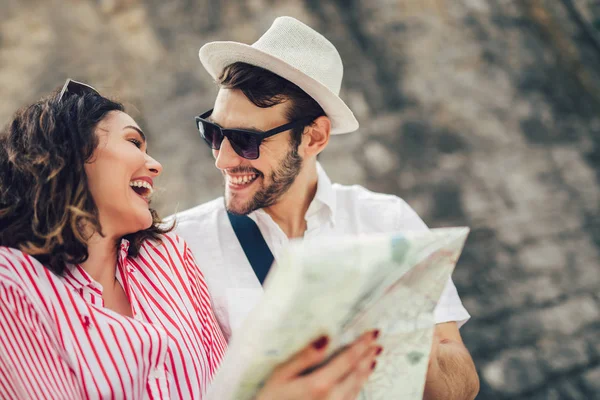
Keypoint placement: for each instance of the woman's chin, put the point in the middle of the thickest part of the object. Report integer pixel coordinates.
(140, 223)
(147, 221)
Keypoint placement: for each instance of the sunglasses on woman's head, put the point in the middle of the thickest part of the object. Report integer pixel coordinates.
(74, 87)
(245, 143)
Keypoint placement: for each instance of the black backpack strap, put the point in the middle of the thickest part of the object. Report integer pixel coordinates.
(257, 252)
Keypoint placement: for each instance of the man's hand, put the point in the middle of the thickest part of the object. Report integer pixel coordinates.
(342, 378)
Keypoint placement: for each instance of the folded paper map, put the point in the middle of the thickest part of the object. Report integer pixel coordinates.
(343, 287)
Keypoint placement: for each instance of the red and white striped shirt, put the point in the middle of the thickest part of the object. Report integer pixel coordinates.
(58, 341)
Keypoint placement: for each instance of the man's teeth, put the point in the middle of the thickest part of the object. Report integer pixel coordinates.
(142, 184)
(240, 180)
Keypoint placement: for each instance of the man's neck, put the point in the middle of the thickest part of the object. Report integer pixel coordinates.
(290, 211)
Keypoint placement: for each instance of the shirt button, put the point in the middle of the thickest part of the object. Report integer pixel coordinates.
(157, 373)
(138, 317)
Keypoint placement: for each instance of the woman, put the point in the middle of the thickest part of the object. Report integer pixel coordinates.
(97, 300)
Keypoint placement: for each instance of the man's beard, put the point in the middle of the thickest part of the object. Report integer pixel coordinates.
(281, 179)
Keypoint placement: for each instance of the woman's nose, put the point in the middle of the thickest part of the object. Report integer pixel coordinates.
(154, 166)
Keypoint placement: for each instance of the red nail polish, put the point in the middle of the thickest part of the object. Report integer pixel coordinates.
(376, 333)
(321, 342)
(373, 365)
(379, 350)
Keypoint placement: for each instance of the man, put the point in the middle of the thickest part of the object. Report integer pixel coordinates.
(278, 104)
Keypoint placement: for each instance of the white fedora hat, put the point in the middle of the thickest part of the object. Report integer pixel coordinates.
(297, 53)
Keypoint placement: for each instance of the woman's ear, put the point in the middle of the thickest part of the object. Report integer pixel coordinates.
(316, 136)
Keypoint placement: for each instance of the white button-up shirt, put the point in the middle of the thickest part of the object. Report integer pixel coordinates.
(336, 210)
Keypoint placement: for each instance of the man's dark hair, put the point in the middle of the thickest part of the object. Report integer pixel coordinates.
(266, 89)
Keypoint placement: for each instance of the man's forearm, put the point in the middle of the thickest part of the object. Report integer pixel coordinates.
(451, 374)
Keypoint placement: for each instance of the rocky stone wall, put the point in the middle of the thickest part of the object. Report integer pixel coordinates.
(477, 112)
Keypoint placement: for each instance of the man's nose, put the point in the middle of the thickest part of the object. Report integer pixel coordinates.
(226, 157)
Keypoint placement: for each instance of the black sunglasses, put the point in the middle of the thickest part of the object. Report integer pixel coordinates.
(74, 87)
(245, 143)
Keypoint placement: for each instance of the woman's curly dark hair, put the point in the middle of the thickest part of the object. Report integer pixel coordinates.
(46, 208)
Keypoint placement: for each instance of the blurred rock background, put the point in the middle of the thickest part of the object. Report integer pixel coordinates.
(477, 112)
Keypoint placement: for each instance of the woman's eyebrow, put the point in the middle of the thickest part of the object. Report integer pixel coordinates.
(138, 130)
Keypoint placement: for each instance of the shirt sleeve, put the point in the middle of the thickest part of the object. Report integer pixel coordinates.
(449, 307)
(31, 366)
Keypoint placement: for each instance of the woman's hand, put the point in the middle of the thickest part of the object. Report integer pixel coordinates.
(341, 378)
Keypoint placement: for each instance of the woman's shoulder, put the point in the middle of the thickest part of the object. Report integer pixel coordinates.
(169, 241)
(167, 248)
(168, 255)
(24, 277)
(17, 267)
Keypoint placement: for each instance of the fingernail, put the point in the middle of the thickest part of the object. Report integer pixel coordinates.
(379, 350)
(321, 342)
(373, 365)
(376, 333)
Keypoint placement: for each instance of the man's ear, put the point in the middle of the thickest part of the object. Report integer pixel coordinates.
(316, 136)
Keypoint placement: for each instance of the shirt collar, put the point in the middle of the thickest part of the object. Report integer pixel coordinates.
(325, 196)
(77, 278)
(123, 251)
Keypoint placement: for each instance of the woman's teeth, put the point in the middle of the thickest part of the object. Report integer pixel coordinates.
(142, 188)
(242, 180)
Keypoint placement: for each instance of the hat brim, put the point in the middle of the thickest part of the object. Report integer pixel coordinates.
(215, 56)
